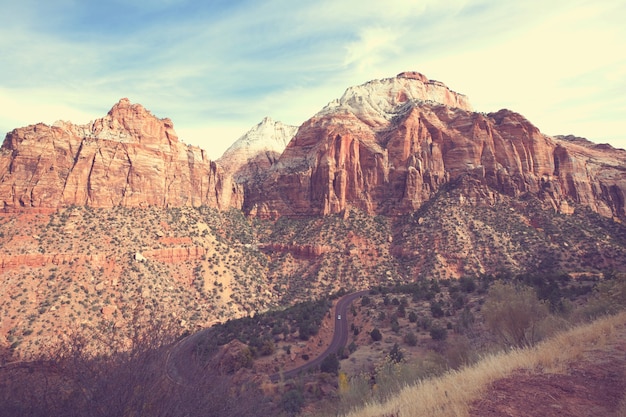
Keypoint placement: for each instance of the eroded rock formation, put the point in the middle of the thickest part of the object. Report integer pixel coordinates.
(128, 158)
(391, 149)
(384, 147)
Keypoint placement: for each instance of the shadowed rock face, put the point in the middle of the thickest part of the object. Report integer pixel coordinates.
(128, 158)
(393, 157)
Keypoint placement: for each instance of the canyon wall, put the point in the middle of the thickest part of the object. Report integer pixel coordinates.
(128, 158)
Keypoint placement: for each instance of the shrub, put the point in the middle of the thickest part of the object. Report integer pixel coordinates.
(513, 313)
(292, 401)
(467, 284)
(396, 355)
(438, 333)
(376, 335)
(330, 364)
(609, 298)
(410, 339)
(436, 310)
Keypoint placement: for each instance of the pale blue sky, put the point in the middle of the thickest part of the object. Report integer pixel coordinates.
(216, 68)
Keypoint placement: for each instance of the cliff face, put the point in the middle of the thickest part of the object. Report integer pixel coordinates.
(390, 151)
(128, 158)
(385, 147)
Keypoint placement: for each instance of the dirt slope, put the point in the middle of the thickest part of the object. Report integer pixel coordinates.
(593, 386)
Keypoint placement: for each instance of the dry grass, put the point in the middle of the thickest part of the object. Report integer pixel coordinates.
(451, 394)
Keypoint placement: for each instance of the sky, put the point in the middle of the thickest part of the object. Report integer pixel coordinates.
(217, 68)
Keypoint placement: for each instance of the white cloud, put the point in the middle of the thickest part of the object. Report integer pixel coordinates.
(36, 106)
(562, 68)
(370, 49)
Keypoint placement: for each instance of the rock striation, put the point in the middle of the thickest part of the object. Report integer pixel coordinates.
(128, 158)
(388, 146)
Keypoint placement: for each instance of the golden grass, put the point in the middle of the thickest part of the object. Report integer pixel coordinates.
(451, 394)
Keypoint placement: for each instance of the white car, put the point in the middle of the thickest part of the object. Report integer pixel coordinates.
(339, 317)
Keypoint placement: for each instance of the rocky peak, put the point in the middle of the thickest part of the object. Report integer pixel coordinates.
(127, 158)
(257, 149)
(135, 120)
(376, 102)
(390, 145)
(128, 123)
(414, 75)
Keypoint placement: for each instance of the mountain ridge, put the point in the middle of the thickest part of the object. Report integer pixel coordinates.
(386, 147)
(129, 158)
(117, 217)
(257, 149)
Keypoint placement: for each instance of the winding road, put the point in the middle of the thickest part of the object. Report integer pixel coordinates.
(179, 369)
(340, 337)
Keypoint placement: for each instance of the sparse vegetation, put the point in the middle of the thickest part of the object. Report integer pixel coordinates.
(432, 275)
(453, 394)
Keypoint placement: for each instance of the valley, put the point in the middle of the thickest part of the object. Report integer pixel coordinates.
(122, 248)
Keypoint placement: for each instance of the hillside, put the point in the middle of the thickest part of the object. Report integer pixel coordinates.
(577, 373)
(109, 225)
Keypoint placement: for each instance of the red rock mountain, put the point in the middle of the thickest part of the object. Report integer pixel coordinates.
(128, 158)
(385, 147)
(461, 193)
(388, 146)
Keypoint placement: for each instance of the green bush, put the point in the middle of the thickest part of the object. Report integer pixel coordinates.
(609, 297)
(436, 310)
(330, 364)
(376, 335)
(438, 333)
(410, 339)
(292, 401)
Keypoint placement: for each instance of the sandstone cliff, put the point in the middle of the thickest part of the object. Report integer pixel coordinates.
(388, 146)
(385, 147)
(128, 158)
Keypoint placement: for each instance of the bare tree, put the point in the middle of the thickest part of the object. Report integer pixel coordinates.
(129, 380)
(513, 312)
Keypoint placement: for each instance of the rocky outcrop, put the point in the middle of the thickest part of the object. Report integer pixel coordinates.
(384, 147)
(128, 158)
(376, 102)
(300, 251)
(393, 148)
(35, 260)
(176, 254)
(257, 150)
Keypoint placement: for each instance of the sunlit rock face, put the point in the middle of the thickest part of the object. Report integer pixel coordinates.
(257, 150)
(127, 158)
(384, 147)
(388, 146)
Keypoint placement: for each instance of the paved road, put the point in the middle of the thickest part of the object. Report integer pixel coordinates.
(179, 367)
(340, 337)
